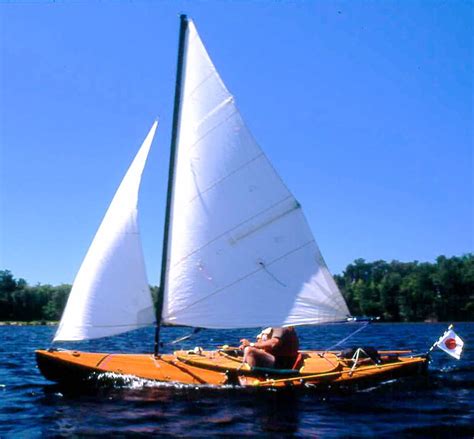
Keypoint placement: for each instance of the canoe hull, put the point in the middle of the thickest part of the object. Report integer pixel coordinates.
(71, 367)
(216, 368)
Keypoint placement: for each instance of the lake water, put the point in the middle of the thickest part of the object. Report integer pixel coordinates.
(439, 405)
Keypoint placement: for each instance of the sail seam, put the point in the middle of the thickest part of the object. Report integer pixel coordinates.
(231, 229)
(195, 36)
(267, 223)
(203, 81)
(261, 268)
(213, 185)
(212, 129)
(214, 110)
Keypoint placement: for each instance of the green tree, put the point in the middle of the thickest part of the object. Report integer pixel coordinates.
(411, 291)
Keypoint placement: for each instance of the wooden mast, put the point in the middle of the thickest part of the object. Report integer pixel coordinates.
(169, 196)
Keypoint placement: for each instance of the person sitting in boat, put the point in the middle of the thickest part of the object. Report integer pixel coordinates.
(275, 347)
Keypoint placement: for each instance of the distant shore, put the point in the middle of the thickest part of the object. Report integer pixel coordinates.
(396, 291)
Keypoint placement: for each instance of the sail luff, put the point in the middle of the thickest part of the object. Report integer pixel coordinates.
(171, 172)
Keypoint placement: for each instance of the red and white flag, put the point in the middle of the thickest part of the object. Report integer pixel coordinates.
(451, 343)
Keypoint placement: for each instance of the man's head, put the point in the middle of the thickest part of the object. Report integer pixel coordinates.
(265, 334)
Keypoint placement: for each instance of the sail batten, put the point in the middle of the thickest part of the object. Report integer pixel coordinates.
(240, 251)
(110, 294)
(230, 231)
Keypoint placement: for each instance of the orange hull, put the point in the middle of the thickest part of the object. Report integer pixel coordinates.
(73, 366)
(218, 368)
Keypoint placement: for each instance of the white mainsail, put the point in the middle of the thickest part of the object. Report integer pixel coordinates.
(241, 253)
(110, 294)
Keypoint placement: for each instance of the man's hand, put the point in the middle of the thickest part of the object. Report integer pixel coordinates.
(244, 343)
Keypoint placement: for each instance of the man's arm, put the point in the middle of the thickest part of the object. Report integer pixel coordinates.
(265, 345)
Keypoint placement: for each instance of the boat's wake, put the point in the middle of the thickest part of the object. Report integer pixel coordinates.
(120, 381)
(114, 381)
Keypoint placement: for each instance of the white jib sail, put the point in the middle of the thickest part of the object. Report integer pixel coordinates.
(110, 294)
(241, 253)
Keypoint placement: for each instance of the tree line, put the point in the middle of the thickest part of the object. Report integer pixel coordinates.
(395, 291)
(411, 291)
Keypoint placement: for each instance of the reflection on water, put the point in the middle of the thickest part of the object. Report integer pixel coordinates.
(278, 411)
(174, 411)
(439, 405)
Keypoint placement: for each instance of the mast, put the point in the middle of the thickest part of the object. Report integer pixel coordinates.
(169, 195)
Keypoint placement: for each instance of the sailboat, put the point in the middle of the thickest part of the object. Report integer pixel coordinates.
(237, 253)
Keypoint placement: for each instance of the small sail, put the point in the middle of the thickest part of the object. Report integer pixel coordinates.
(110, 294)
(241, 253)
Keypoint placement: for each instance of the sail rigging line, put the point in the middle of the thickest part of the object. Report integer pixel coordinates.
(348, 337)
(182, 338)
(272, 275)
(231, 230)
(171, 171)
(225, 287)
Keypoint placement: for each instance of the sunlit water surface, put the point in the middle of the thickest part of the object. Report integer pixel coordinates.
(439, 405)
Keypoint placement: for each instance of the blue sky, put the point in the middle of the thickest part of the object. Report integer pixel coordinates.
(365, 109)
